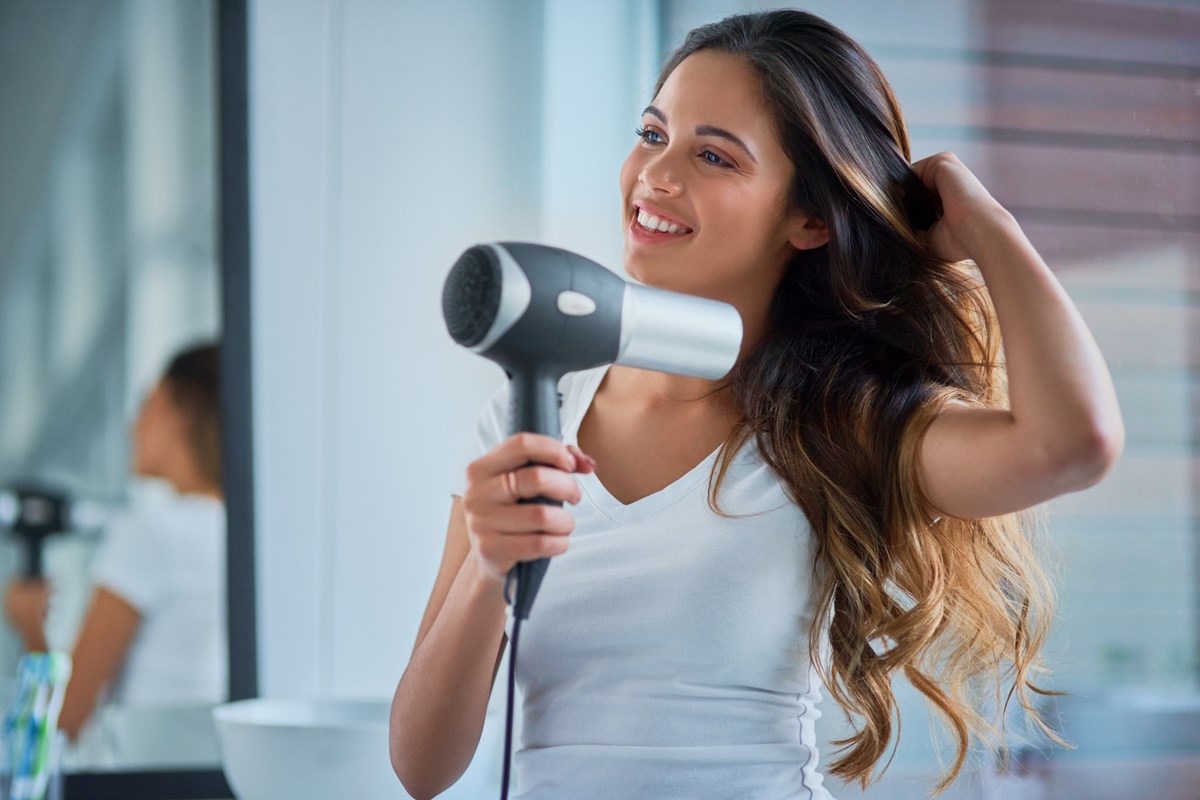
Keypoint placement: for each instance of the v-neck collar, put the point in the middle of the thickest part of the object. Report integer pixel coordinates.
(622, 513)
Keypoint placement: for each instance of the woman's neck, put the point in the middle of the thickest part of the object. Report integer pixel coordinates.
(199, 489)
(187, 480)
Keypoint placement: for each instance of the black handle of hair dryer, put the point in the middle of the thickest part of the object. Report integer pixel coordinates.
(33, 550)
(533, 407)
(529, 574)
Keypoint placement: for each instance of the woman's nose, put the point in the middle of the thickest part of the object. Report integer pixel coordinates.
(660, 174)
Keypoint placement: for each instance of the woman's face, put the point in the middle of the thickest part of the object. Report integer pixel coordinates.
(156, 432)
(709, 160)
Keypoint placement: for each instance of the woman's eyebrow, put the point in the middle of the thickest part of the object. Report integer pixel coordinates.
(705, 130)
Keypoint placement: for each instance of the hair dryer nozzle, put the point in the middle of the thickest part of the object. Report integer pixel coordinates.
(679, 333)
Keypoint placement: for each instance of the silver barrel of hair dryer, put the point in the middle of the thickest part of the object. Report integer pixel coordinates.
(678, 333)
(541, 312)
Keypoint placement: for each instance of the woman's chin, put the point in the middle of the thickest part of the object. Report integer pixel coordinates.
(660, 270)
(643, 268)
(630, 265)
(635, 270)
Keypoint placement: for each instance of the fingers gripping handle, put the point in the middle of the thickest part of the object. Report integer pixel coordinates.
(528, 574)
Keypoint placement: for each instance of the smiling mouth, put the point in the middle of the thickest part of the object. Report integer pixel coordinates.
(650, 223)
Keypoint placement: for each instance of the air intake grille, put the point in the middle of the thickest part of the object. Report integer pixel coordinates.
(471, 296)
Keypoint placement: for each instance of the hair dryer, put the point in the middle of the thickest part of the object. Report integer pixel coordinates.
(540, 312)
(32, 512)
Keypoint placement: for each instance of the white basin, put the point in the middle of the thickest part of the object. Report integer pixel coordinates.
(307, 749)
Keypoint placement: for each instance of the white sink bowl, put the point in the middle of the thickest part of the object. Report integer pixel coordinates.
(307, 749)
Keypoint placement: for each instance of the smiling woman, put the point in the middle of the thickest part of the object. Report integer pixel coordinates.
(707, 143)
(851, 532)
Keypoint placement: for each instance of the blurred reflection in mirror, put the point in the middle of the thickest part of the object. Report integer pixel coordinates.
(153, 637)
(107, 270)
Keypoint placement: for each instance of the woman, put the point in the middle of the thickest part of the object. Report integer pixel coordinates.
(869, 459)
(154, 634)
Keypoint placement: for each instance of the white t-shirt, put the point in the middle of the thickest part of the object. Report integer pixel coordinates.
(167, 560)
(666, 653)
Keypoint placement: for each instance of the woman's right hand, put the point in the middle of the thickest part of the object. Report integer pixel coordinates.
(502, 531)
(26, 601)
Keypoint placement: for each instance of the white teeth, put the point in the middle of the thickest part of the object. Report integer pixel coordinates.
(652, 222)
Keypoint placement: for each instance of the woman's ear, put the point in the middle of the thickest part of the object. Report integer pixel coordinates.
(808, 232)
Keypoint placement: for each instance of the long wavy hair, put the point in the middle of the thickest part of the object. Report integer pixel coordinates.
(870, 337)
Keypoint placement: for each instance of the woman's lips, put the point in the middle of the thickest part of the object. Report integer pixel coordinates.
(640, 206)
(647, 236)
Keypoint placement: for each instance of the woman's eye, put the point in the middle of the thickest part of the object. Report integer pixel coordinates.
(716, 159)
(709, 156)
(645, 135)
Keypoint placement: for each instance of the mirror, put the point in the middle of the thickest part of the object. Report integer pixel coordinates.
(111, 265)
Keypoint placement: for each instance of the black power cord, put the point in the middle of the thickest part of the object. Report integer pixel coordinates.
(508, 722)
(512, 685)
(528, 577)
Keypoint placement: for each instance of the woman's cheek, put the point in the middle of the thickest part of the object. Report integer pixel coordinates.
(629, 170)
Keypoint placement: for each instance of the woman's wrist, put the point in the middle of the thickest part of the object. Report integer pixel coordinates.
(482, 584)
(35, 641)
(983, 226)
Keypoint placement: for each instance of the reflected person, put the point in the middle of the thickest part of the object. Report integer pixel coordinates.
(154, 633)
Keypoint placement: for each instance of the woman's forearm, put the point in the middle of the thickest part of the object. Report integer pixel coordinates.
(1060, 390)
(104, 640)
(440, 703)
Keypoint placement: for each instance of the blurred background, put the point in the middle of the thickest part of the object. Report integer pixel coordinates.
(386, 137)
(107, 266)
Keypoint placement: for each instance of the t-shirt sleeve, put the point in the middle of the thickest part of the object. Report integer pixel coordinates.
(490, 430)
(128, 562)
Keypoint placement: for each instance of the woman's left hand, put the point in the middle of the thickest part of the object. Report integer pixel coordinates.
(963, 202)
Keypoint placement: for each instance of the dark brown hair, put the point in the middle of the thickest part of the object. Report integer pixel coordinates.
(193, 384)
(870, 337)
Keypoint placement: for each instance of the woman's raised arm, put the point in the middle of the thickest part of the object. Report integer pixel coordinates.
(1063, 430)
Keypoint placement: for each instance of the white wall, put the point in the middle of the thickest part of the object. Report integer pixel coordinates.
(386, 138)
